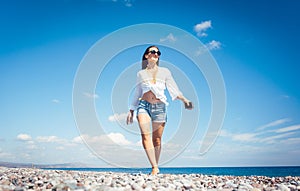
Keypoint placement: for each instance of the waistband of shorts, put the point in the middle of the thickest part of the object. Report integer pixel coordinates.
(148, 103)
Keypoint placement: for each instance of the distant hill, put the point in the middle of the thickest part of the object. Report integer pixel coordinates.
(31, 165)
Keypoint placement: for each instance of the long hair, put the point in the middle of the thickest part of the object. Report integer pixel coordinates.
(144, 59)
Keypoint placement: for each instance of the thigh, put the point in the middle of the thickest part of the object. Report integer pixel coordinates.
(158, 129)
(144, 123)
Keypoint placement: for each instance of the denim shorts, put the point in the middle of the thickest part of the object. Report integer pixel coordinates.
(156, 111)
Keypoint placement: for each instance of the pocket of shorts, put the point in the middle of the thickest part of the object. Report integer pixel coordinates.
(161, 107)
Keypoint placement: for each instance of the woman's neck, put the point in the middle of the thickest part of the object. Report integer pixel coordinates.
(151, 66)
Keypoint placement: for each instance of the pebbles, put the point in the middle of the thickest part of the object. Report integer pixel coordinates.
(21, 179)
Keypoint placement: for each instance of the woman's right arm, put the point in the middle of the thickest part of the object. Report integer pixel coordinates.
(135, 101)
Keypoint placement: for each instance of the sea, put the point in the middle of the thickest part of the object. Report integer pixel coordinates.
(278, 171)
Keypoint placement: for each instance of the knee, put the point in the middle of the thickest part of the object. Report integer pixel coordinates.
(157, 141)
(146, 137)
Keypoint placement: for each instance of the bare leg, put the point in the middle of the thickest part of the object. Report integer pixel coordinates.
(144, 123)
(158, 129)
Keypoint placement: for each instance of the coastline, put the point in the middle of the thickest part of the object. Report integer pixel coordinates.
(45, 179)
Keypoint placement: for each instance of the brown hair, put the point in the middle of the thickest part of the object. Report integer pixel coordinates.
(144, 59)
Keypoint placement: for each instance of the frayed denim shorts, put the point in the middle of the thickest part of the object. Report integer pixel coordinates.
(156, 111)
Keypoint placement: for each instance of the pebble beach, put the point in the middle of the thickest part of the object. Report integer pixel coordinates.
(21, 179)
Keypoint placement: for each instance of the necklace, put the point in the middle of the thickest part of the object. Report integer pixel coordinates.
(152, 72)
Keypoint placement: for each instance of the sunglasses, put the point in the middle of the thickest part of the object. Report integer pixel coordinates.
(154, 52)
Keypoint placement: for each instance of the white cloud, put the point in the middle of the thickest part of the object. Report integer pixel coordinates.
(200, 51)
(48, 139)
(119, 138)
(55, 101)
(128, 3)
(170, 38)
(89, 95)
(56, 140)
(90, 139)
(28, 141)
(213, 45)
(281, 135)
(224, 133)
(245, 137)
(77, 140)
(202, 27)
(118, 117)
(274, 123)
(24, 137)
(6, 155)
(103, 140)
(273, 139)
(287, 129)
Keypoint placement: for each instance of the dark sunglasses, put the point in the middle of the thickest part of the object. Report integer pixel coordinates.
(154, 52)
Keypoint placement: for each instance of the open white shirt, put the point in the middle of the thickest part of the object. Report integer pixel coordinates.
(144, 84)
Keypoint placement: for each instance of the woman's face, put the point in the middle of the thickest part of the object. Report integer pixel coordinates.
(152, 55)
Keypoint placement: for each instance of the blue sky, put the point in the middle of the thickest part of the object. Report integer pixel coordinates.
(254, 43)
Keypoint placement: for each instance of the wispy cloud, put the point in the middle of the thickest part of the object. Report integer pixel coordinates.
(273, 139)
(285, 96)
(90, 95)
(118, 117)
(127, 3)
(213, 45)
(274, 123)
(48, 139)
(37, 143)
(55, 101)
(287, 129)
(245, 137)
(55, 140)
(261, 135)
(202, 27)
(169, 38)
(5, 155)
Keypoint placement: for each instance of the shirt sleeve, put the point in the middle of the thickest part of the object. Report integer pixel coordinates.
(137, 94)
(172, 86)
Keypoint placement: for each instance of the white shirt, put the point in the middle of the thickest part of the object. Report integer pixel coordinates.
(164, 80)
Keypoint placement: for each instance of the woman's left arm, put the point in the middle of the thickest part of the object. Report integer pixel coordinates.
(174, 90)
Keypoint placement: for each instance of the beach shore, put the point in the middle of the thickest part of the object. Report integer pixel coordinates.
(19, 179)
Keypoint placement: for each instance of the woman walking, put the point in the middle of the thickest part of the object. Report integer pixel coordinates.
(150, 102)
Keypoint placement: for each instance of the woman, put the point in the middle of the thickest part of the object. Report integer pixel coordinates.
(150, 102)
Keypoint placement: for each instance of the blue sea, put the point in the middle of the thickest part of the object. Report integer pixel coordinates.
(234, 171)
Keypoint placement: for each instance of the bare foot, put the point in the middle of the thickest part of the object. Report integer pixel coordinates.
(155, 170)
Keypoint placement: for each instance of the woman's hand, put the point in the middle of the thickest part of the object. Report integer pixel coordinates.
(129, 119)
(186, 102)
